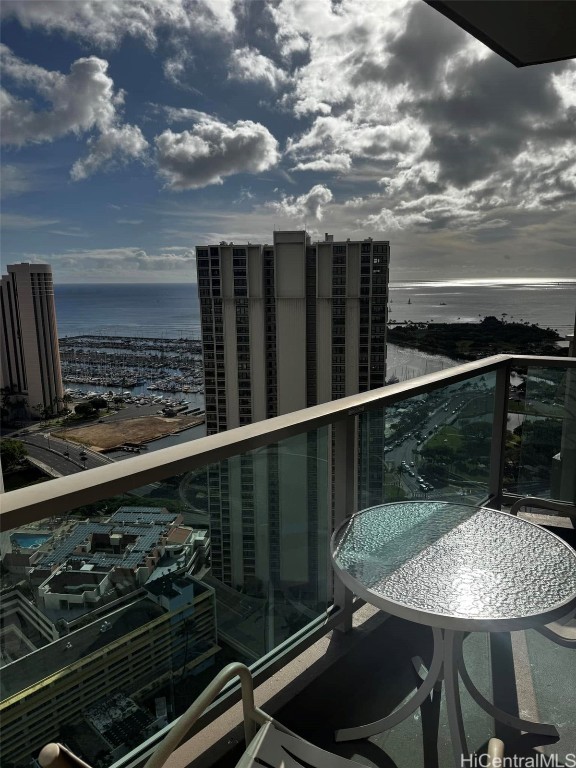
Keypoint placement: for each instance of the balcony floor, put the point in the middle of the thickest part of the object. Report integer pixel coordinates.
(375, 675)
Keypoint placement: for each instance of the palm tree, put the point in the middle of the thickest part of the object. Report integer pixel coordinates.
(67, 399)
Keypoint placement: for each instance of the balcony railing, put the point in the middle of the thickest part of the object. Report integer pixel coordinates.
(123, 604)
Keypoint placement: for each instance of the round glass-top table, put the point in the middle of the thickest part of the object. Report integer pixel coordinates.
(456, 568)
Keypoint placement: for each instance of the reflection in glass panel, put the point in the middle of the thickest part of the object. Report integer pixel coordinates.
(541, 434)
(117, 614)
(269, 530)
(434, 445)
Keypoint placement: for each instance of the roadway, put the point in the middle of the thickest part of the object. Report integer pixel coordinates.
(407, 447)
(65, 457)
(62, 456)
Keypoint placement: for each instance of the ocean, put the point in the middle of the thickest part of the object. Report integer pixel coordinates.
(172, 310)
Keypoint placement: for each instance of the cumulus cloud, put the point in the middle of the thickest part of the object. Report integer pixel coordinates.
(397, 92)
(420, 54)
(178, 67)
(387, 220)
(212, 150)
(250, 65)
(309, 205)
(333, 136)
(81, 101)
(490, 114)
(114, 145)
(106, 23)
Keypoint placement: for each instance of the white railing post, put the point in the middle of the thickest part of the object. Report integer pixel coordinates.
(345, 498)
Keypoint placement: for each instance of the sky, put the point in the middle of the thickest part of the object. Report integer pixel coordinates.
(133, 130)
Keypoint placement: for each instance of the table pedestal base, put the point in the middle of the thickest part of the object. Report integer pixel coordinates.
(447, 667)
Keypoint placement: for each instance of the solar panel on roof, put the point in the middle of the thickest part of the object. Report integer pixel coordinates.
(148, 537)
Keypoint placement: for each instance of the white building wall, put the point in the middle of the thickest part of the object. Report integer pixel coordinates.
(257, 358)
(324, 271)
(291, 357)
(231, 362)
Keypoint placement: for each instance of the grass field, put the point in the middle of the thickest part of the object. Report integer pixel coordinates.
(446, 436)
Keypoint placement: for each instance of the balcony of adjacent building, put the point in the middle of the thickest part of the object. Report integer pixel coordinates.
(145, 577)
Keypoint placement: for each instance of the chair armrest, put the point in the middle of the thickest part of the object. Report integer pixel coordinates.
(58, 756)
(495, 753)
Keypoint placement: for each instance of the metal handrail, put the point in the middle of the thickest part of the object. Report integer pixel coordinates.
(252, 715)
(31, 504)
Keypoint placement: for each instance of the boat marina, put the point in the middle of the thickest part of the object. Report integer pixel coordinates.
(158, 365)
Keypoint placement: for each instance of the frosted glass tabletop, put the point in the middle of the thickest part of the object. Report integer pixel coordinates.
(456, 566)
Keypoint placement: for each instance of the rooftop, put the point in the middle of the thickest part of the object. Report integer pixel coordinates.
(39, 666)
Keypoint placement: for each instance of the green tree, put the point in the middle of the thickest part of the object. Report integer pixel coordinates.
(12, 453)
(44, 411)
(98, 402)
(65, 402)
(84, 409)
(438, 454)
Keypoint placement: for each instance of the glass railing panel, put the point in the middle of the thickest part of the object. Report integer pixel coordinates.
(435, 445)
(117, 614)
(540, 453)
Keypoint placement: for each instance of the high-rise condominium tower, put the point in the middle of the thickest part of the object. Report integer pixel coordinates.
(30, 356)
(290, 325)
(284, 326)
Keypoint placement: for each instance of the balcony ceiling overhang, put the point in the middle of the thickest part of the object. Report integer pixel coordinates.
(524, 32)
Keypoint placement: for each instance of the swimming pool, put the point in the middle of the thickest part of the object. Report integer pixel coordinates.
(29, 540)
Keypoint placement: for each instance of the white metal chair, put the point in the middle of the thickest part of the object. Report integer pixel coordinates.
(268, 743)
